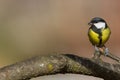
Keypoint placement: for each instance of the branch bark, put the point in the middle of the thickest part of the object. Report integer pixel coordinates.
(59, 63)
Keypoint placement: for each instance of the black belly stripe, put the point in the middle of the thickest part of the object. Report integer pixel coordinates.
(100, 37)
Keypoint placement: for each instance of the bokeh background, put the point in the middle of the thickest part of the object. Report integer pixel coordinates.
(40, 27)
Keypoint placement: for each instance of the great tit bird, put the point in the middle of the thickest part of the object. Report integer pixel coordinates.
(98, 34)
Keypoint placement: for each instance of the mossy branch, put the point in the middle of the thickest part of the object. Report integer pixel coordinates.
(59, 63)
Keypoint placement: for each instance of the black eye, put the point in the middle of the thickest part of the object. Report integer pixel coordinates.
(95, 22)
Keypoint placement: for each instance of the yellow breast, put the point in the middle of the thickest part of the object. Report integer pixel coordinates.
(94, 37)
(105, 35)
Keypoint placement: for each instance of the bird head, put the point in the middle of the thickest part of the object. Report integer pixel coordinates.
(98, 22)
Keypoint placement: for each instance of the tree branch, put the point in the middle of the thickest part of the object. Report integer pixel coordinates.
(59, 63)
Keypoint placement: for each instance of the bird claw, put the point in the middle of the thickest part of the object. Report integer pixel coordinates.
(96, 55)
(106, 51)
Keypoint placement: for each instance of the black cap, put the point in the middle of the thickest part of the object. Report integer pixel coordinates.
(97, 19)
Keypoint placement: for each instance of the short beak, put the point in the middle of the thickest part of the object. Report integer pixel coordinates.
(89, 23)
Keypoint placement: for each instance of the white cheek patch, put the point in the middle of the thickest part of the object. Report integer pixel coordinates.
(100, 25)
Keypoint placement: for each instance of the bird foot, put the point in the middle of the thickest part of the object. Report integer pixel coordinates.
(96, 55)
(106, 51)
(96, 49)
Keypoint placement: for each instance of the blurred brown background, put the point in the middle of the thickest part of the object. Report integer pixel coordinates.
(31, 27)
